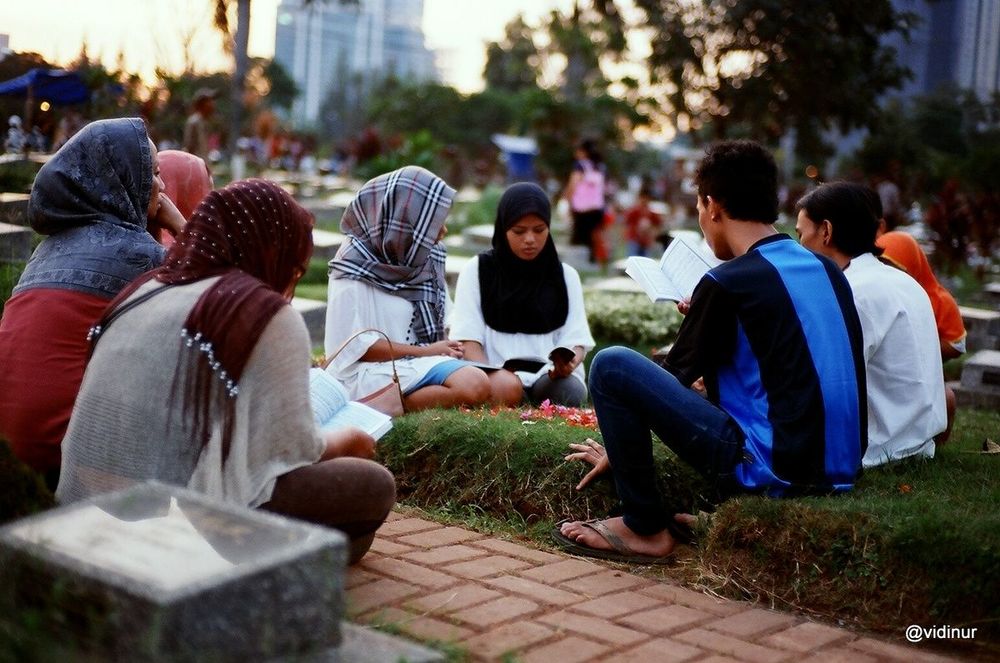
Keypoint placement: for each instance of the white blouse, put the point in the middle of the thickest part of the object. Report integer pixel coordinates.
(467, 323)
(355, 305)
(906, 401)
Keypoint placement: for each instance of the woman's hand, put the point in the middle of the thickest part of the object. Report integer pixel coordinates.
(451, 349)
(348, 442)
(561, 367)
(564, 363)
(684, 306)
(593, 453)
(168, 216)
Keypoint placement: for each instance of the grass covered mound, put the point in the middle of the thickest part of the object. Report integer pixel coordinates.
(506, 466)
(915, 543)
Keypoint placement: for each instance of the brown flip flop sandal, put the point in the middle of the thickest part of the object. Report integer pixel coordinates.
(621, 552)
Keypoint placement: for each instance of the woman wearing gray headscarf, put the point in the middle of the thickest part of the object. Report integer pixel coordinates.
(91, 200)
(389, 276)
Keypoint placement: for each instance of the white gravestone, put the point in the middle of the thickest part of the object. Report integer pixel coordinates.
(162, 573)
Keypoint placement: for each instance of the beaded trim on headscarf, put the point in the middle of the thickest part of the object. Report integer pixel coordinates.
(232, 389)
(254, 237)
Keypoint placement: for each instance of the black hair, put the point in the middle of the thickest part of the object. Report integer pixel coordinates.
(590, 148)
(874, 201)
(742, 177)
(851, 210)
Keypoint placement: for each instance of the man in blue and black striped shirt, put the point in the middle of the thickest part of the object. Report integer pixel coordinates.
(774, 334)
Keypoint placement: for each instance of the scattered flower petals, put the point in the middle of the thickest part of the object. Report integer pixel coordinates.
(546, 411)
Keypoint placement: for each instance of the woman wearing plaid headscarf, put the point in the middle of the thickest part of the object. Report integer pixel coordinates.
(389, 275)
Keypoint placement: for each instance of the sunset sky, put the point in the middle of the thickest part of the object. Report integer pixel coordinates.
(151, 33)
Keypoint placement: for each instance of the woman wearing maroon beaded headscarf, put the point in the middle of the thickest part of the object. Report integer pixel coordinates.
(222, 405)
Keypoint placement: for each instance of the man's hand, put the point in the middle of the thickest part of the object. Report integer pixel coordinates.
(684, 306)
(593, 453)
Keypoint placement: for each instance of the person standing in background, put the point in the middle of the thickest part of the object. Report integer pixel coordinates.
(196, 127)
(642, 226)
(585, 193)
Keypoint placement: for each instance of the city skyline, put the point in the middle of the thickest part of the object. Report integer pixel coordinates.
(151, 34)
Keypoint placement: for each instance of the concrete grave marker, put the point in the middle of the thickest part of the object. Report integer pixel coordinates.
(15, 243)
(326, 244)
(980, 385)
(314, 313)
(982, 327)
(162, 573)
(992, 293)
(14, 208)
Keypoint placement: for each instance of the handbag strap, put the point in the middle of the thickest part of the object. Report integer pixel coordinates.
(392, 359)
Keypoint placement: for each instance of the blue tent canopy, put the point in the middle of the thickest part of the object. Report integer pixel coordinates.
(57, 86)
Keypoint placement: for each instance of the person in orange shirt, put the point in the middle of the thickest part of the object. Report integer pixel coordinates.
(902, 250)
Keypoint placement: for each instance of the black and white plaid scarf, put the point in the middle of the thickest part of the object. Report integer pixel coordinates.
(392, 227)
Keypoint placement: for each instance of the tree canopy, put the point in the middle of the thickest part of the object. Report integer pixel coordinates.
(769, 66)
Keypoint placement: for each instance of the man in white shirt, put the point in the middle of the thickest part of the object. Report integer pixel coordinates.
(906, 400)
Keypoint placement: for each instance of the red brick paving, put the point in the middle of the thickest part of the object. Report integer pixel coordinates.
(493, 598)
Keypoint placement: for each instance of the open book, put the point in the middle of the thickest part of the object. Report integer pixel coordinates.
(333, 408)
(674, 277)
(529, 369)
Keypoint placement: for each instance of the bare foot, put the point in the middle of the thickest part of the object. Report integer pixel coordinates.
(656, 545)
(688, 519)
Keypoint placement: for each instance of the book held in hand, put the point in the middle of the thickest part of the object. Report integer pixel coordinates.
(529, 369)
(674, 277)
(333, 409)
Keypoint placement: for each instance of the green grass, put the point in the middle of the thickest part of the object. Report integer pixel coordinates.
(9, 274)
(506, 468)
(22, 490)
(915, 542)
(313, 284)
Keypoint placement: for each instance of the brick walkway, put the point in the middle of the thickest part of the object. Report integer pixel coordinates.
(491, 597)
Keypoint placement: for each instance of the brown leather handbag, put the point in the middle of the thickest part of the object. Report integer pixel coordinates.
(388, 399)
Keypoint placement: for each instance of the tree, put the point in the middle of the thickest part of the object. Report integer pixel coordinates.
(236, 43)
(273, 83)
(771, 66)
(584, 38)
(513, 63)
(945, 149)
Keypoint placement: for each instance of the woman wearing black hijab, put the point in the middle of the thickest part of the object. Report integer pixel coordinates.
(518, 301)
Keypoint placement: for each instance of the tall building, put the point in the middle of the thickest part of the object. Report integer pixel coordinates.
(330, 47)
(956, 42)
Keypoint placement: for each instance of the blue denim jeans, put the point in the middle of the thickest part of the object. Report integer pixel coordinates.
(633, 396)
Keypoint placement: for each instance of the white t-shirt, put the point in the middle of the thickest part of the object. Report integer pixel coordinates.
(906, 401)
(467, 323)
(355, 305)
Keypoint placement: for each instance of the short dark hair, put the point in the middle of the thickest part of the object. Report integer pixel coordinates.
(589, 146)
(741, 176)
(850, 209)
